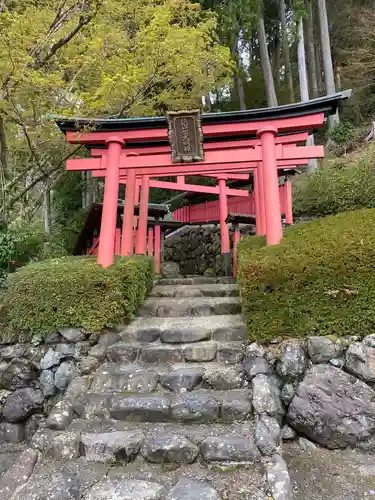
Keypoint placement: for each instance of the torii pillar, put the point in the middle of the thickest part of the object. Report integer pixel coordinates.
(268, 167)
(141, 238)
(224, 230)
(106, 248)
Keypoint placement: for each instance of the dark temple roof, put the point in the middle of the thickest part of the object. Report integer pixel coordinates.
(327, 105)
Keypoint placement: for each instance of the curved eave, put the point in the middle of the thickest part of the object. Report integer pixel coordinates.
(327, 105)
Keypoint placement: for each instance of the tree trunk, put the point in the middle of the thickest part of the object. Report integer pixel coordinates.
(309, 25)
(47, 210)
(277, 59)
(3, 150)
(303, 80)
(286, 51)
(319, 69)
(238, 83)
(329, 77)
(266, 65)
(302, 69)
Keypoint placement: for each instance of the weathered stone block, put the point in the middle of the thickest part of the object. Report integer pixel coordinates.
(122, 352)
(160, 354)
(184, 379)
(140, 408)
(203, 351)
(195, 407)
(255, 365)
(127, 380)
(267, 396)
(236, 405)
(61, 416)
(333, 408)
(11, 433)
(21, 404)
(184, 335)
(293, 360)
(267, 435)
(230, 354)
(18, 374)
(116, 489)
(223, 379)
(164, 448)
(229, 449)
(112, 446)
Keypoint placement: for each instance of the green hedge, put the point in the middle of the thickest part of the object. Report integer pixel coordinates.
(339, 185)
(319, 281)
(75, 292)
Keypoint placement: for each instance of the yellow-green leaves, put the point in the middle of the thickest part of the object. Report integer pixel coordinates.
(97, 58)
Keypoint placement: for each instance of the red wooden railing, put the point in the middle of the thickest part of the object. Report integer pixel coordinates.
(210, 211)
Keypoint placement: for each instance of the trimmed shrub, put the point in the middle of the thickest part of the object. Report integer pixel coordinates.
(75, 292)
(320, 280)
(340, 185)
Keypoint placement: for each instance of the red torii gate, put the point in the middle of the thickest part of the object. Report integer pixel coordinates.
(129, 155)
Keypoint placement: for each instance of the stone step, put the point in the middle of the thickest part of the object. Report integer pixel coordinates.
(173, 352)
(179, 291)
(196, 280)
(190, 306)
(181, 377)
(127, 476)
(222, 328)
(200, 406)
(160, 443)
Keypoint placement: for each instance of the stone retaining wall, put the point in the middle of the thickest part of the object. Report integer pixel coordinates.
(34, 377)
(197, 249)
(293, 386)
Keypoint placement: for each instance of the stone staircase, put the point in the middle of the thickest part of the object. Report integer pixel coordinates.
(170, 403)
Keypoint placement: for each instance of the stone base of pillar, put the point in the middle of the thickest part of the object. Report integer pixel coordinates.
(226, 264)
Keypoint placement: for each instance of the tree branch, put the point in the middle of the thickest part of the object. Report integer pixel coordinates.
(40, 178)
(83, 21)
(3, 150)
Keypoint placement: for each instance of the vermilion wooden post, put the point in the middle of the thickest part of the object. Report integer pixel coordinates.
(271, 186)
(118, 242)
(109, 212)
(262, 208)
(150, 242)
(127, 241)
(224, 230)
(257, 201)
(157, 249)
(136, 191)
(141, 239)
(236, 239)
(288, 202)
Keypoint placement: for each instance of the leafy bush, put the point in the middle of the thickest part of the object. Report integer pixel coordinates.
(320, 280)
(342, 132)
(20, 243)
(338, 186)
(75, 292)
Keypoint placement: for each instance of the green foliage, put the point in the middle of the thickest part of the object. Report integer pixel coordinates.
(75, 292)
(88, 58)
(68, 214)
(319, 281)
(20, 243)
(342, 132)
(338, 186)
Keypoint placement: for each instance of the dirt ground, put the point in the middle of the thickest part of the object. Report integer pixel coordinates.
(331, 475)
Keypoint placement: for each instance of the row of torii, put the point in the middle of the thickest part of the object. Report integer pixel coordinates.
(275, 147)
